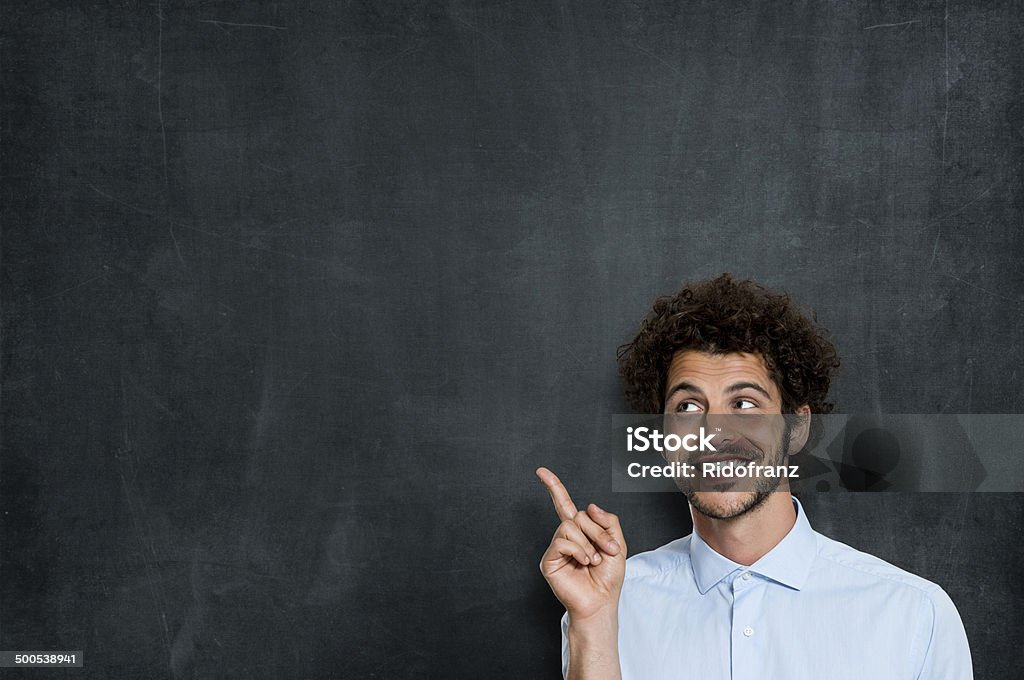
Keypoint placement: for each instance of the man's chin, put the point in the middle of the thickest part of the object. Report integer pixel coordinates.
(726, 504)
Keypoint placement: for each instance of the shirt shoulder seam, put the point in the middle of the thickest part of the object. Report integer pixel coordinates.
(904, 577)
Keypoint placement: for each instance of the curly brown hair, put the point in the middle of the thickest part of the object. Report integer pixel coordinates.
(724, 315)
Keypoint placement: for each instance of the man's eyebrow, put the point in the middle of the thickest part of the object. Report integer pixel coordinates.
(740, 386)
(735, 387)
(684, 387)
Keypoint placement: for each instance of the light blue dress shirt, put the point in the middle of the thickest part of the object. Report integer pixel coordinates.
(812, 608)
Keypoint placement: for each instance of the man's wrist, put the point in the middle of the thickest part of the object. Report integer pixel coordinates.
(595, 636)
(594, 644)
(602, 622)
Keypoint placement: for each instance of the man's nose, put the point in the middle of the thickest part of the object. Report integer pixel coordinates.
(722, 425)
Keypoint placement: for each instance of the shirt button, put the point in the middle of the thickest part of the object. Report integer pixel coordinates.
(748, 631)
(746, 576)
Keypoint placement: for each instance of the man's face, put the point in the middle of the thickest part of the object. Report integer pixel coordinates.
(716, 390)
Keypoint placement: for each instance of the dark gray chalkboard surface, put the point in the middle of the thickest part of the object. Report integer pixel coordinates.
(297, 295)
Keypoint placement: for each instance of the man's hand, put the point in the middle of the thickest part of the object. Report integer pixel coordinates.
(586, 560)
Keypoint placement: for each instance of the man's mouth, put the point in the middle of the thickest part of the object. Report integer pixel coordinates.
(723, 463)
(722, 458)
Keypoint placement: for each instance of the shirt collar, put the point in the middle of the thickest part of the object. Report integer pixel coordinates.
(788, 563)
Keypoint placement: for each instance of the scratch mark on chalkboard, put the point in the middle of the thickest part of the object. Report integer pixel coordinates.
(220, 237)
(177, 250)
(221, 24)
(396, 661)
(945, 116)
(159, 80)
(965, 205)
(136, 208)
(242, 582)
(144, 533)
(291, 390)
(900, 23)
(74, 287)
(487, 36)
(365, 36)
(955, 540)
(414, 48)
(160, 111)
(184, 646)
(577, 358)
(977, 287)
(149, 394)
(935, 246)
(650, 54)
(970, 390)
(938, 220)
(271, 168)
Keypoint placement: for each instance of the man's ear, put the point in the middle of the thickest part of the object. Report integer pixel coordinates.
(800, 428)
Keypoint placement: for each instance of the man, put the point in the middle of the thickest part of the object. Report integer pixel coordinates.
(754, 592)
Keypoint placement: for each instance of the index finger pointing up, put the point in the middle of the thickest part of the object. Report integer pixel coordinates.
(559, 495)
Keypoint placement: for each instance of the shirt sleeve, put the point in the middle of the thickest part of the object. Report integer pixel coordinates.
(565, 645)
(947, 654)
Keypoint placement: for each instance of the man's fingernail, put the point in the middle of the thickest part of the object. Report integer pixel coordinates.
(613, 544)
(597, 558)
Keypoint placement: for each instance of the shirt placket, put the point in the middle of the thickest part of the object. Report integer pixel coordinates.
(747, 659)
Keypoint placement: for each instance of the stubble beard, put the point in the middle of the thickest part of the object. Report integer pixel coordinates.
(742, 501)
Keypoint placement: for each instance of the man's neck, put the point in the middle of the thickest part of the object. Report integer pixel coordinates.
(749, 537)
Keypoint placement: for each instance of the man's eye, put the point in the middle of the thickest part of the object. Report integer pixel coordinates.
(745, 404)
(687, 407)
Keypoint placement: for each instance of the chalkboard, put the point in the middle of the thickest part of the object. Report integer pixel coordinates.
(297, 295)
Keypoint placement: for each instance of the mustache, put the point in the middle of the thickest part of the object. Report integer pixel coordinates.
(734, 450)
